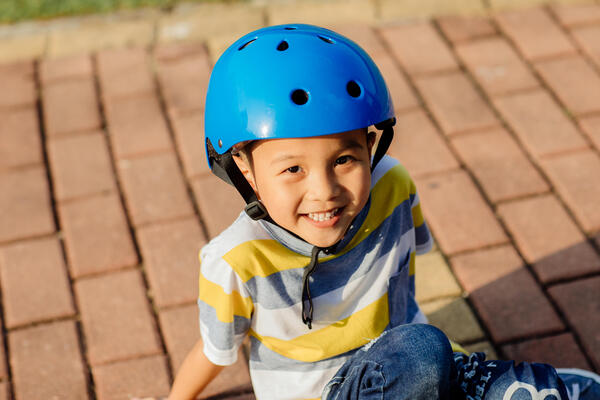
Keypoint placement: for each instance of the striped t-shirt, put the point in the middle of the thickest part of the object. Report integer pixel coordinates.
(251, 285)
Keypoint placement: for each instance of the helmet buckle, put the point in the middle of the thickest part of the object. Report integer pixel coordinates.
(256, 210)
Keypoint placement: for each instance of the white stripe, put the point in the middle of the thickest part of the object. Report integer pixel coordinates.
(288, 385)
(216, 356)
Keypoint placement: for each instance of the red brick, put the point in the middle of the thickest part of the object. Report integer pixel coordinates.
(18, 86)
(548, 238)
(591, 126)
(560, 351)
(403, 96)
(116, 317)
(419, 146)
(570, 15)
(454, 210)
(124, 72)
(534, 33)
(496, 66)
(588, 38)
(499, 165)
(184, 83)
(463, 28)
(507, 298)
(168, 52)
(419, 48)
(70, 106)
(540, 123)
(189, 137)
(441, 94)
(136, 126)
(20, 143)
(24, 204)
(574, 175)
(96, 235)
(34, 282)
(364, 36)
(3, 364)
(4, 395)
(580, 303)
(219, 203)
(46, 362)
(72, 67)
(170, 254)
(575, 83)
(80, 166)
(154, 189)
(143, 377)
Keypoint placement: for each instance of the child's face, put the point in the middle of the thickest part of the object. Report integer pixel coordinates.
(313, 187)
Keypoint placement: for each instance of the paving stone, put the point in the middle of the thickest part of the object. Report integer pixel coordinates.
(46, 362)
(433, 278)
(496, 66)
(394, 10)
(3, 367)
(4, 394)
(454, 317)
(591, 126)
(72, 67)
(154, 189)
(454, 209)
(35, 286)
(168, 52)
(70, 106)
(507, 298)
(483, 347)
(25, 209)
(419, 48)
(549, 239)
(588, 38)
(24, 69)
(461, 28)
(219, 203)
(573, 175)
(97, 237)
(18, 87)
(574, 81)
(189, 138)
(217, 45)
(321, 13)
(365, 36)
(170, 253)
(540, 124)
(124, 72)
(180, 328)
(580, 303)
(515, 4)
(560, 351)
(499, 165)
(137, 126)
(440, 94)
(139, 378)
(198, 22)
(534, 33)
(570, 15)
(184, 83)
(89, 34)
(116, 317)
(80, 166)
(22, 47)
(20, 143)
(403, 97)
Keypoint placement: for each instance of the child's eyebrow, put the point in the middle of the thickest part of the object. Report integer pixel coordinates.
(346, 145)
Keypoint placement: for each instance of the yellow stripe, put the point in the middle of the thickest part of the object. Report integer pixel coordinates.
(411, 265)
(365, 325)
(226, 305)
(417, 215)
(458, 348)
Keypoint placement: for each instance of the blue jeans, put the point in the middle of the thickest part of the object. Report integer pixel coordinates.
(416, 362)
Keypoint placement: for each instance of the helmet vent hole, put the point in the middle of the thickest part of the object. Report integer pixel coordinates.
(289, 28)
(283, 45)
(326, 39)
(242, 47)
(353, 89)
(300, 97)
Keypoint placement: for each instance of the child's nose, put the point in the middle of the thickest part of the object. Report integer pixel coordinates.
(323, 185)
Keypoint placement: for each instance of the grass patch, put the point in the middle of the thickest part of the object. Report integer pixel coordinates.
(20, 10)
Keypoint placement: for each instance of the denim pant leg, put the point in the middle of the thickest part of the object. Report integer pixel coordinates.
(407, 362)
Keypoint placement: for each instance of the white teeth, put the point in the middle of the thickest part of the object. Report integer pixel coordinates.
(322, 216)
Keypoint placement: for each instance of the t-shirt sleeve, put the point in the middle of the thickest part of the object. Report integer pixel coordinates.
(423, 238)
(225, 309)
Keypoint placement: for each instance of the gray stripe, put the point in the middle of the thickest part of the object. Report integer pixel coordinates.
(221, 333)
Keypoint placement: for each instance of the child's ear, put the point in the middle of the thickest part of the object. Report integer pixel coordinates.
(242, 164)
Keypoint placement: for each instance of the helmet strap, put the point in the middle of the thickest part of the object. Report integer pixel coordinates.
(384, 142)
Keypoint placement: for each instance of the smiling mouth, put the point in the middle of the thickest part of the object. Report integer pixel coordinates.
(324, 216)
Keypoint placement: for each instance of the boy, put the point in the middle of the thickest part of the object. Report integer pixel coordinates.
(319, 271)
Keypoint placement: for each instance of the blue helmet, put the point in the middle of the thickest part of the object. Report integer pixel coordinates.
(290, 81)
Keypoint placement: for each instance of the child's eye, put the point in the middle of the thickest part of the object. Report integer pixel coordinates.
(343, 160)
(293, 170)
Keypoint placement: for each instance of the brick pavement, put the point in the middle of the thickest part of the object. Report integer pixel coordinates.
(105, 199)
